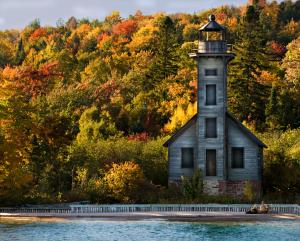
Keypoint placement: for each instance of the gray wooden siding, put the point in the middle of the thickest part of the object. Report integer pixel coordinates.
(194, 136)
(252, 164)
(186, 139)
(217, 111)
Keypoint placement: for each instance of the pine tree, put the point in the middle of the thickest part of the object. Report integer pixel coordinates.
(165, 63)
(20, 54)
(246, 94)
(272, 109)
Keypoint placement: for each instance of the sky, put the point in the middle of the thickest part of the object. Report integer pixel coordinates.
(19, 13)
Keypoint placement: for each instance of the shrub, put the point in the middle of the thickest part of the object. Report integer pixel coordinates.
(248, 192)
(192, 188)
(123, 181)
(98, 191)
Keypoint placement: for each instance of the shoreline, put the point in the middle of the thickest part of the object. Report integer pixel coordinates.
(138, 216)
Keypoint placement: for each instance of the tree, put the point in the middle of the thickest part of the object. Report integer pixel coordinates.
(94, 125)
(165, 48)
(247, 96)
(272, 109)
(291, 63)
(20, 54)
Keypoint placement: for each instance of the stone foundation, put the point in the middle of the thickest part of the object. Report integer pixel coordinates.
(231, 188)
(211, 187)
(222, 187)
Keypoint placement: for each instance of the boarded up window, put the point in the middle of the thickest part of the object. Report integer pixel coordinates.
(211, 160)
(211, 98)
(237, 157)
(211, 72)
(211, 127)
(187, 157)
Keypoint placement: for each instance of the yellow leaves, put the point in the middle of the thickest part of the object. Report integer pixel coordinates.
(180, 117)
(143, 38)
(123, 179)
(83, 30)
(292, 27)
(232, 23)
(291, 62)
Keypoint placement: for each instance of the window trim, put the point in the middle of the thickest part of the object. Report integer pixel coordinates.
(211, 72)
(232, 156)
(193, 155)
(216, 129)
(215, 99)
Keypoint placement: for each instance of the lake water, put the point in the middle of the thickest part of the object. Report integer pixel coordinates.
(95, 229)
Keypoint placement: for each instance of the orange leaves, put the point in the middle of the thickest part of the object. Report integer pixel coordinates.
(221, 18)
(30, 81)
(277, 48)
(126, 28)
(37, 34)
(268, 78)
(83, 29)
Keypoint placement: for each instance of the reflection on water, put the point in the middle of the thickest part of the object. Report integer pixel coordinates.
(97, 229)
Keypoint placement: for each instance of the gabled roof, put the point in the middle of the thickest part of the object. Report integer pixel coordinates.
(181, 130)
(246, 131)
(229, 115)
(212, 25)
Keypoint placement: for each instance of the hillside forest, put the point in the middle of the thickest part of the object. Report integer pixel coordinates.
(86, 105)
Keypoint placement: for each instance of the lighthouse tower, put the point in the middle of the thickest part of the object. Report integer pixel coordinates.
(212, 59)
(214, 141)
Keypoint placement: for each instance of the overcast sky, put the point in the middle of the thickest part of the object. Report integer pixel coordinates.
(18, 13)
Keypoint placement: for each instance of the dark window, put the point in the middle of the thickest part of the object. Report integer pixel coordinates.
(211, 95)
(187, 157)
(211, 160)
(211, 127)
(237, 157)
(211, 72)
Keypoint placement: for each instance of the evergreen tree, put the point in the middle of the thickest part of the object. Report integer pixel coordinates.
(165, 50)
(272, 109)
(246, 94)
(20, 55)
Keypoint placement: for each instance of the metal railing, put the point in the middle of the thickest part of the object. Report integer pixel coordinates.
(133, 208)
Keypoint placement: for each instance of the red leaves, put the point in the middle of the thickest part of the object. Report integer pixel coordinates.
(143, 136)
(126, 28)
(32, 81)
(105, 92)
(277, 48)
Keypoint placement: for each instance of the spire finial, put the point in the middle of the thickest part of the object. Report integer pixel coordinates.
(211, 17)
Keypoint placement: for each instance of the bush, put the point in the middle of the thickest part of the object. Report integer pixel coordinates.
(248, 192)
(123, 181)
(192, 188)
(98, 191)
(150, 155)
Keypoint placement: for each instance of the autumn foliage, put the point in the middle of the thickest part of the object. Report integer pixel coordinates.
(86, 106)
